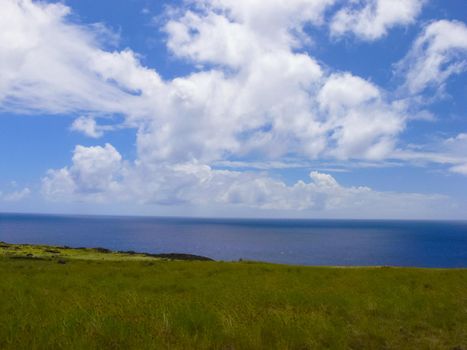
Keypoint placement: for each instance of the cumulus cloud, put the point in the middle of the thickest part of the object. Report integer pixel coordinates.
(87, 126)
(363, 124)
(234, 32)
(100, 170)
(439, 52)
(266, 105)
(268, 101)
(94, 172)
(371, 19)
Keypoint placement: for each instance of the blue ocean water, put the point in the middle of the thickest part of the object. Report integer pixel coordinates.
(303, 242)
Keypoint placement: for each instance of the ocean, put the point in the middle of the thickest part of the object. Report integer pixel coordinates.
(298, 242)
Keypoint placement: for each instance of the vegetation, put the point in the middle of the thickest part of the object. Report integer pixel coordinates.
(44, 252)
(86, 299)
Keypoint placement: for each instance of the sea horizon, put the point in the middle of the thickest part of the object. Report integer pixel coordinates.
(202, 217)
(317, 242)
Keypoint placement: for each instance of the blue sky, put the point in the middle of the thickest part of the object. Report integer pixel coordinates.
(301, 108)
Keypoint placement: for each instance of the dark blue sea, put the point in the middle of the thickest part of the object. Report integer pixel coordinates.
(302, 242)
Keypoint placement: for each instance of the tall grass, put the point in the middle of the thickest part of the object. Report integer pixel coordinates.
(213, 305)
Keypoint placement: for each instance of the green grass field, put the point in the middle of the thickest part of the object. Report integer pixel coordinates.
(68, 300)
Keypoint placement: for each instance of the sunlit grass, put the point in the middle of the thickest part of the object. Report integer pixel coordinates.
(157, 304)
(44, 252)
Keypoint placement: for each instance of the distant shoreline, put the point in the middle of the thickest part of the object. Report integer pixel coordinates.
(39, 251)
(61, 254)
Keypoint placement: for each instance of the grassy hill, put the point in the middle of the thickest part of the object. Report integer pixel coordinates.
(95, 299)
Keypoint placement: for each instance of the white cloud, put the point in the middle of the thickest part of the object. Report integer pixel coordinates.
(267, 105)
(87, 126)
(371, 19)
(458, 146)
(363, 124)
(51, 65)
(460, 169)
(343, 91)
(269, 102)
(198, 184)
(232, 32)
(439, 52)
(451, 152)
(95, 171)
(15, 196)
